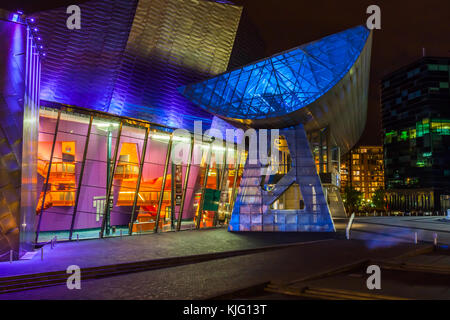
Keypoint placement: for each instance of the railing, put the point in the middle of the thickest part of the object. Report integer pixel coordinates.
(59, 170)
(11, 253)
(398, 214)
(126, 171)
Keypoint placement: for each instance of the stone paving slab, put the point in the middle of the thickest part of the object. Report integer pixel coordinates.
(213, 278)
(100, 252)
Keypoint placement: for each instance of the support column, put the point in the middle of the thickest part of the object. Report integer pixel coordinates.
(252, 208)
(107, 211)
(80, 179)
(186, 180)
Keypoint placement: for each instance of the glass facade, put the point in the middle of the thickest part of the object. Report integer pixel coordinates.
(101, 176)
(416, 128)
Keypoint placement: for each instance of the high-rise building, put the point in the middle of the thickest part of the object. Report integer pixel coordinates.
(415, 102)
(362, 169)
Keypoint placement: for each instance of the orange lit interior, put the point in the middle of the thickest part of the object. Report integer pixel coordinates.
(62, 180)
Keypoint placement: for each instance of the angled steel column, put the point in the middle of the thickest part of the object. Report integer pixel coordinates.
(48, 176)
(163, 184)
(186, 180)
(172, 197)
(236, 171)
(110, 183)
(138, 185)
(205, 180)
(83, 163)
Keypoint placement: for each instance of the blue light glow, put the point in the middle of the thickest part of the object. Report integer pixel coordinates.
(283, 83)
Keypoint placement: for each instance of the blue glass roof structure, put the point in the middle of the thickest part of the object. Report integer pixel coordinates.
(282, 83)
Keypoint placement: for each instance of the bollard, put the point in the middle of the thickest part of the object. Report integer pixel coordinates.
(42, 253)
(51, 243)
(10, 256)
(435, 239)
(121, 233)
(415, 237)
(100, 234)
(78, 237)
(56, 240)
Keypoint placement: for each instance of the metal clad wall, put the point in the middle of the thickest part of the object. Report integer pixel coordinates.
(30, 135)
(12, 87)
(81, 65)
(173, 43)
(129, 57)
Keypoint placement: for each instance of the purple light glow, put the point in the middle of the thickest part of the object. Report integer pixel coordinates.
(32, 19)
(35, 29)
(19, 12)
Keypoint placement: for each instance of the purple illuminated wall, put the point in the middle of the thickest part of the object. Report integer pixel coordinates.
(19, 92)
(130, 56)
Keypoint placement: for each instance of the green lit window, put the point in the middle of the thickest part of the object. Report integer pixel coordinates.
(441, 126)
(443, 85)
(403, 136)
(433, 67)
(443, 67)
(389, 136)
(422, 127)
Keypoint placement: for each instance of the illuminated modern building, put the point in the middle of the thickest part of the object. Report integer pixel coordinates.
(416, 124)
(124, 64)
(362, 169)
(97, 159)
(316, 90)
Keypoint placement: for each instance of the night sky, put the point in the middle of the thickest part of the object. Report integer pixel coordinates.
(406, 28)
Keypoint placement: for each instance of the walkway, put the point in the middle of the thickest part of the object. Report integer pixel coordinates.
(99, 252)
